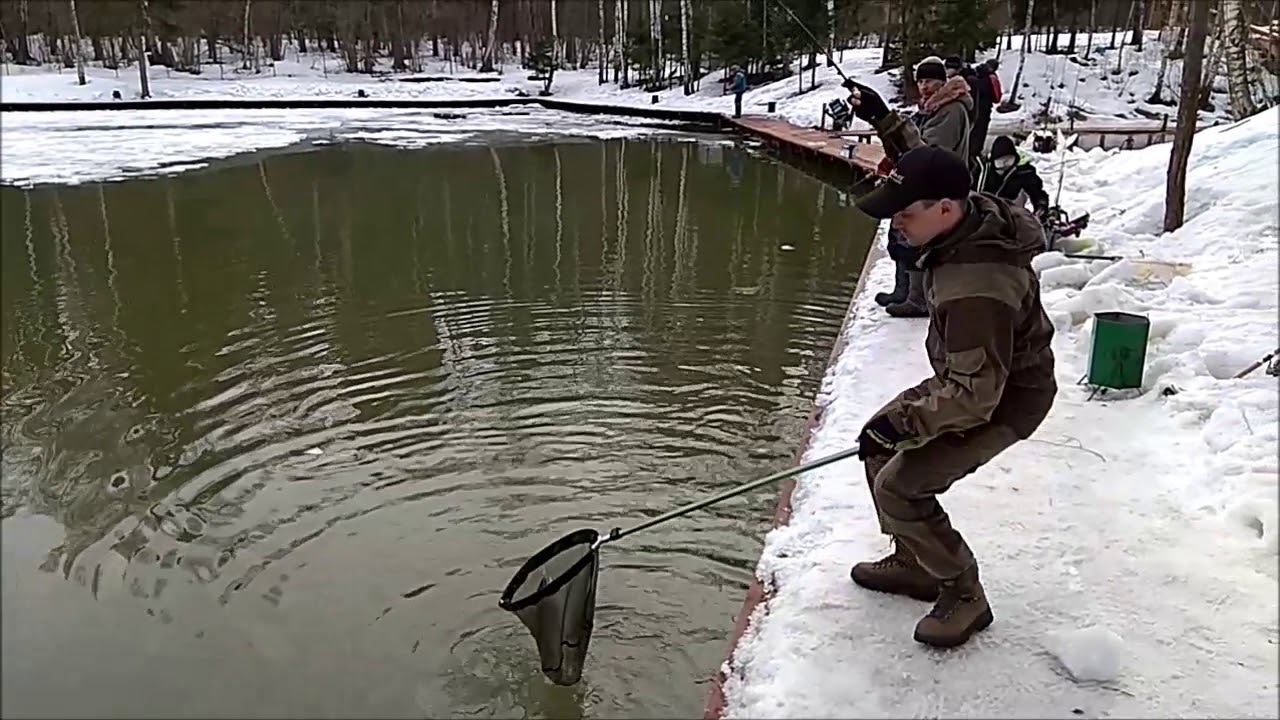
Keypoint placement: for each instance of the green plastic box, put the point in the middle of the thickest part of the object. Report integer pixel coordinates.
(1119, 351)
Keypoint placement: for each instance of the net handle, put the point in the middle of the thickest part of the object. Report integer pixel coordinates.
(618, 533)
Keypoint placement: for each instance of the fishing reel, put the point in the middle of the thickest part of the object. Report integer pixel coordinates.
(1059, 226)
(1042, 142)
(840, 113)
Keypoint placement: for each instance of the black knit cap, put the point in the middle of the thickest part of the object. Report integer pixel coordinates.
(1003, 147)
(931, 71)
(925, 173)
(953, 62)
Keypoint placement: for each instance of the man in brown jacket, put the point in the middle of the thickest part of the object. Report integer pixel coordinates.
(993, 379)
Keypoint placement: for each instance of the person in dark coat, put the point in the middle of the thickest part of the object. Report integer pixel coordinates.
(738, 79)
(983, 94)
(1009, 174)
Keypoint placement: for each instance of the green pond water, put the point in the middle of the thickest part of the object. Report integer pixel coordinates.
(276, 433)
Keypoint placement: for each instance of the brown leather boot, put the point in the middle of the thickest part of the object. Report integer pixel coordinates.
(899, 574)
(961, 611)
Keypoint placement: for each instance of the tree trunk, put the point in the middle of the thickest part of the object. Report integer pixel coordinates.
(244, 61)
(655, 39)
(602, 76)
(831, 30)
(619, 40)
(1139, 24)
(684, 46)
(1166, 39)
(1234, 28)
(491, 40)
(888, 35)
(370, 43)
(24, 35)
(79, 49)
(1176, 187)
(1115, 24)
(397, 39)
(98, 54)
(555, 47)
(1214, 61)
(1053, 23)
(144, 82)
(1012, 102)
(1093, 23)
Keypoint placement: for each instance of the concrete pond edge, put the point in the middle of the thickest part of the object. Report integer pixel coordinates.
(758, 595)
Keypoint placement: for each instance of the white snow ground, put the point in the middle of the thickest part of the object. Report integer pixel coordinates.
(1093, 86)
(1131, 540)
(91, 146)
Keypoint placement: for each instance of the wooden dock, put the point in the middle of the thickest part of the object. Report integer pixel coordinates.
(840, 150)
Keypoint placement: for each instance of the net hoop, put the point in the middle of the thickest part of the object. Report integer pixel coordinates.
(509, 602)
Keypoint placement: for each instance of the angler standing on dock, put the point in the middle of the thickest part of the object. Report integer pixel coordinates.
(993, 383)
(738, 79)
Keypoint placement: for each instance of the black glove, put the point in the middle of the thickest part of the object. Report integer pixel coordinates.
(903, 253)
(878, 437)
(867, 104)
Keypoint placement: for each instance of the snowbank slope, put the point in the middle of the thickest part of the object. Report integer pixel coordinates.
(1139, 534)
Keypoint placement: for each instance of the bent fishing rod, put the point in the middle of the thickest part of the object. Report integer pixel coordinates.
(825, 50)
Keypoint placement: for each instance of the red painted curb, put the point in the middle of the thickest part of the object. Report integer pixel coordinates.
(756, 592)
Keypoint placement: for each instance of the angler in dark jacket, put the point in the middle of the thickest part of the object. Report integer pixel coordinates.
(989, 345)
(1009, 174)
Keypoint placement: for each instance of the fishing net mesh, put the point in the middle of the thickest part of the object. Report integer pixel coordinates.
(554, 595)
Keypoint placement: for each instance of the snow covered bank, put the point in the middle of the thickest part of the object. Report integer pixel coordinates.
(1129, 549)
(91, 146)
(1099, 90)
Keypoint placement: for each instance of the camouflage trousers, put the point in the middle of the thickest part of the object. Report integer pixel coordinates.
(905, 488)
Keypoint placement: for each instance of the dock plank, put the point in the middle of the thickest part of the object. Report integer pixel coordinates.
(834, 147)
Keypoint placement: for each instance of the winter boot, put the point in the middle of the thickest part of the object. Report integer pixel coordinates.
(961, 611)
(914, 305)
(897, 573)
(900, 285)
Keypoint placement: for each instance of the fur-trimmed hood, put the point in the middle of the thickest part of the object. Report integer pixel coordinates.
(955, 89)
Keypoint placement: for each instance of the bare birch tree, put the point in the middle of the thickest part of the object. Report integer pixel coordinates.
(75, 27)
(491, 39)
(1188, 114)
(144, 82)
(1093, 24)
(1212, 62)
(1170, 48)
(684, 47)
(1012, 102)
(655, 38)
(619, 40)
(244, 61)
(831, 30)
(1234, 38)
(555, 44)
(604, 47)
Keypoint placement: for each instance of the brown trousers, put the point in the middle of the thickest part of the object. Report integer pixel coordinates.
(905, 488)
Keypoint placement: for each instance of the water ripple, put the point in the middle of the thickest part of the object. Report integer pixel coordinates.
(326, 409)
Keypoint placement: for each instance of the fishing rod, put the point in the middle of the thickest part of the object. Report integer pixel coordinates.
(1062, 157)
(816, 41)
